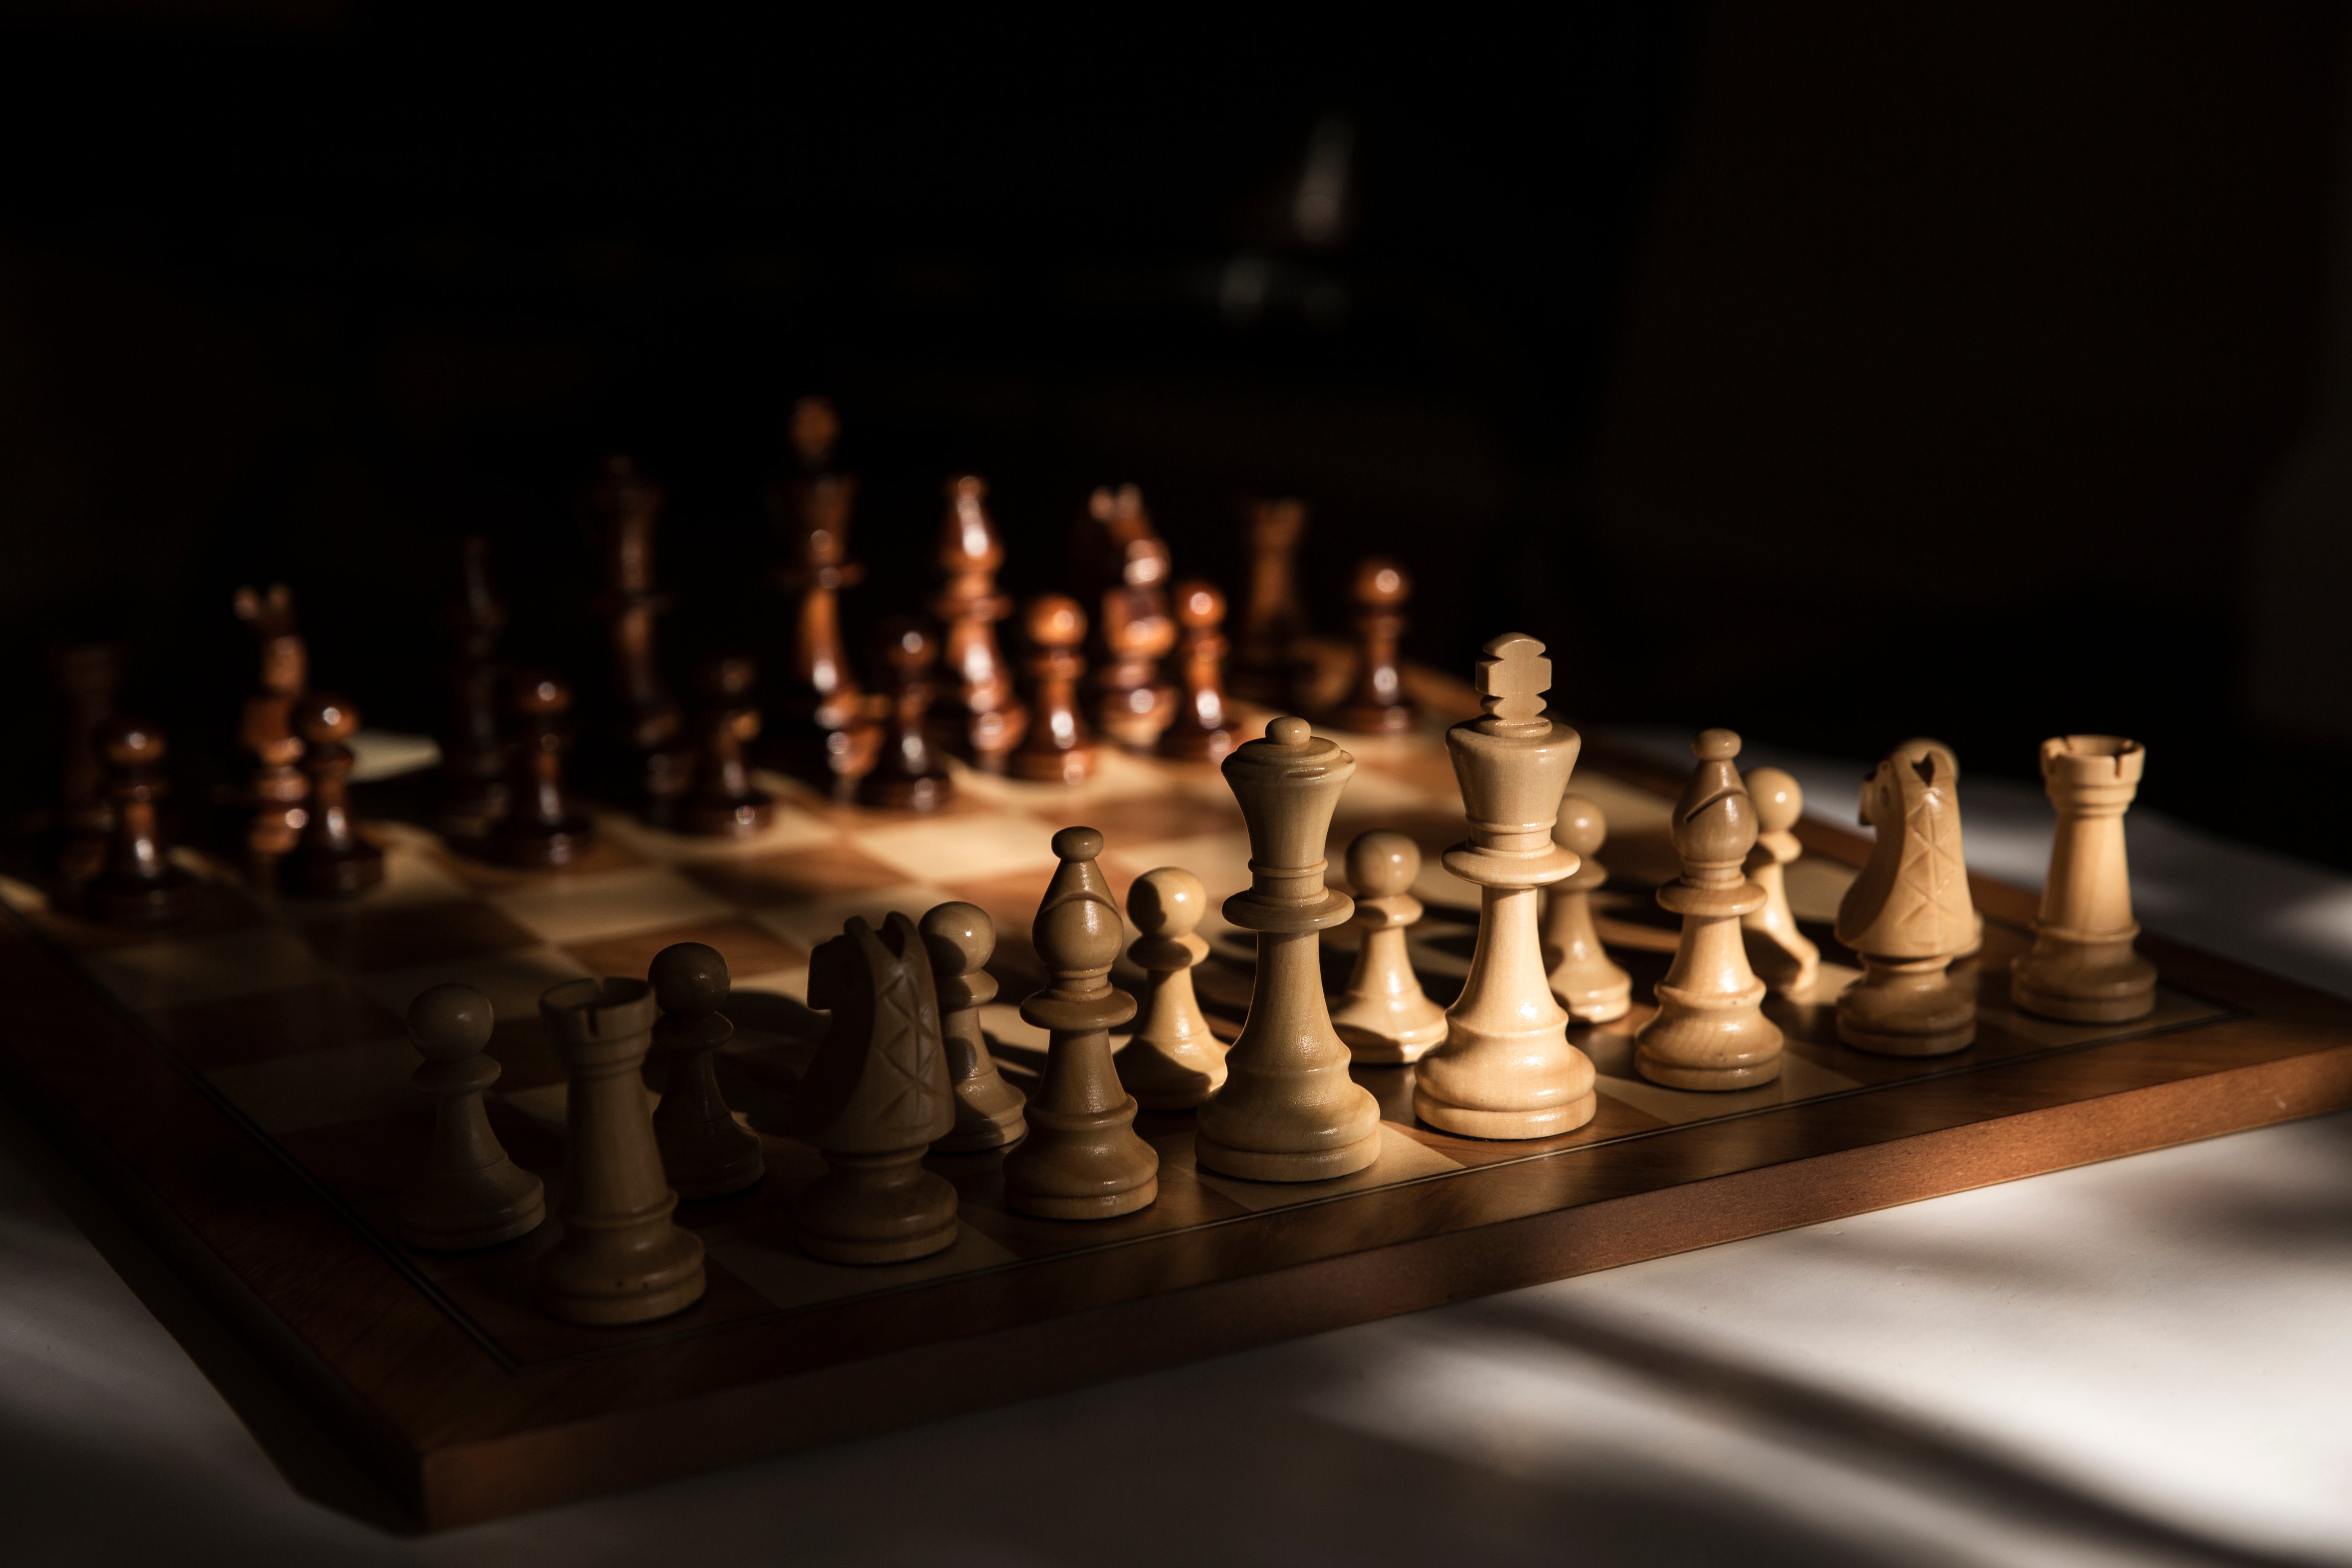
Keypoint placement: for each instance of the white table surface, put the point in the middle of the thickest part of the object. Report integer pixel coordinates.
(2147, 1361)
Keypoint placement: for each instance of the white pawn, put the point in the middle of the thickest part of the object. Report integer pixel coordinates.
(1586, 980)
(470, 1194)
(1384, 1016)
(1783, 957)
(960, 939)
(1172, 1062)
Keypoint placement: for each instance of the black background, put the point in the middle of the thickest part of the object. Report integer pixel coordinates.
(1838, 373)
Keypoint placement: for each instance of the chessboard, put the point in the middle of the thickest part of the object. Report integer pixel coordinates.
(239, 1086)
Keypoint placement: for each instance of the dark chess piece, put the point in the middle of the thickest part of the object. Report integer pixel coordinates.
(1202, 731)
(1265, 654)
(140, 885)
(724, 802)
(1380, 704)
(276, 790)
(907, 773)
(474, 752)
(1114, 519)
(705, 1152)
(1134, 702)
(987, 715)
(1059, 747)
(819, 731)
(90, 677)
(541, 828)
(331, 859)
(652, 728)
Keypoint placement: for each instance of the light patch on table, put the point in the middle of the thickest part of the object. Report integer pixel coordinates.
(961, 849)
(609, 903)
(23, 895)
(791, 1277)
(787, 829)
(1401, 1160)
(513, 979)
(806, 924)
(1799, 1079)
(411, 876)
(159, 974)
(325, 1088)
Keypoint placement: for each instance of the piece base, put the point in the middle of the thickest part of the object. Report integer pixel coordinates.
(1171, 1099)
(1712, 1080)
(1512, 1125)
(608, 1311)
(1887, 1043)
(1367, 1050)
(867, 1254)
(1255, 1166)
(2083, 1009)
(1003, 1136)
(1108, 1205)
(469, 1239)
(1597, 1009)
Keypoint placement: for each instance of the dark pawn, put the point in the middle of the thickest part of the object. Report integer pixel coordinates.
(1378, 705)
(332, 860)
(1266, 661)
(1059, 748)
(909, 773)
(474, 754)
(705, 1152)
(725, 802)
(1202, 730)
(539, 827)
(139, 886)
(651, 733)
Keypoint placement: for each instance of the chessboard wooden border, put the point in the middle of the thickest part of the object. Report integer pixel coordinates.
(457, 1437)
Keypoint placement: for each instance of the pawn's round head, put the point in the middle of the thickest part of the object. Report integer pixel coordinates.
(1289, 731)
(689, 978)
(1716, 745)
(1055, 620)
(324, 718)
(1077, 844)
(129, 742)
(1383, 863)
(450, 1022)
(1169, 902)
(1780, 799)
(960, 938)
(536, 692)
(907, 646)
(1199, 605)
(1580, 828)
(1144, 562)
(1381, 585)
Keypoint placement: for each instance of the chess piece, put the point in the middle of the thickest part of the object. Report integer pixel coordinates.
(139, 885)
(1783, 957)
(469, 1194)
(276, 791)
(1201, 730)
(989, 718)
(621, 1258)
(1288, 1111)
(1171, 1062)
(1133, 703)
(960, 939)
(1921, 746)
(2081, 968)
(1114, 519)
(724, 803)
(1905, 915)
(333, 859)
(474, 752)
(820, 732)
(539, 828)
(1266, 662)
(651, 729)
(907, 773)
(1584, 979)
(874, 1100)
(1082, 1158)
(1059, 748)
(1383, 1014)
(1378, 705)
(705, 1152)
(90, 676)
(1710, 1032)
(1506, 1068)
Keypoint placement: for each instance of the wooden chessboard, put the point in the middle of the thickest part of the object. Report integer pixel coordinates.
(239, 1088)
